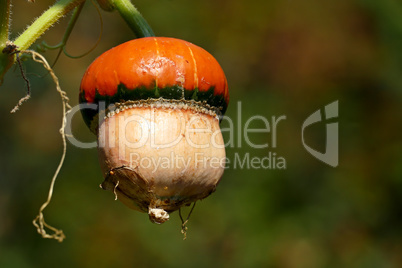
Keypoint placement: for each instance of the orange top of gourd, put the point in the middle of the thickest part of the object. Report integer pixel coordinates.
(161, 67)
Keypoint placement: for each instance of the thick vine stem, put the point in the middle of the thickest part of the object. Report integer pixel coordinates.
(133, 18)
(5, 7)
(44, 22)
(32, 33)
(6, 60)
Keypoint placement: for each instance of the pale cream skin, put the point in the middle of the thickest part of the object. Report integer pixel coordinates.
(159, 158)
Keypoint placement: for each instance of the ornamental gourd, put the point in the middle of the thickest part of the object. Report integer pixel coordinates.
(155, 104)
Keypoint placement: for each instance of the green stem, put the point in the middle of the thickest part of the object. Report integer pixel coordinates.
(133, 18)
(44, 22)
(6, 60)
(4, 21)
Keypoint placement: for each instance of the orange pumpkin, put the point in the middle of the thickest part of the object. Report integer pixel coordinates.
(160, 145)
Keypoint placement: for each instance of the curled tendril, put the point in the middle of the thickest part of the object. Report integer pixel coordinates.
(43, 46)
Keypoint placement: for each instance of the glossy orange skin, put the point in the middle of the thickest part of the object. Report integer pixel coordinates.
(154, 62)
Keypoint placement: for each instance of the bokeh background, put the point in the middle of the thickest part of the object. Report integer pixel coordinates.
(281, 57)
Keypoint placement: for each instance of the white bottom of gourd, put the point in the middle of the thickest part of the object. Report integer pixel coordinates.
(158, 159)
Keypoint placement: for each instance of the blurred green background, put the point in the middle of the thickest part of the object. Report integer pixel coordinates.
(283, 57)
